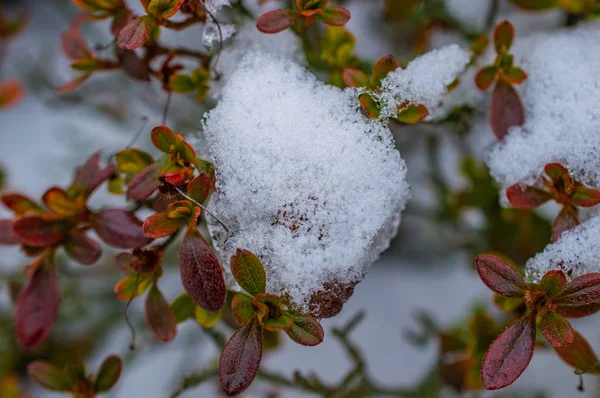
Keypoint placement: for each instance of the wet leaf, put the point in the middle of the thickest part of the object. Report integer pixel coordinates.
(109, 374)
(412, 113)
(248, 271)
(136, 32)
(526, 197)
(305, 330)
(560, 178)
(120, 229)
(506, 109)
(159, 316)
(369, 105)
(499, 276)
(276, 21)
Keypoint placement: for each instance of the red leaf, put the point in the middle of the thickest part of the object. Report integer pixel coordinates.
(556, 329)
(160, 225)
(305, 330)
(144, 184)
(554, 283)
(249, 272)
(20, 204)
(82, 248)
(37, 306)
(201, 273)
(577, 311)
(136, 32)
(277, 20)
(37, 232)
(526, 197)
(506, 109)
(335, 16)
(74, 45)
(509, 355)
(120, 228)
(240, 359)
(566, 220)
(585, 197)
(200, 187)
(7, 237)
(159, 316)
(485, 77)
(582, 290)
(499, 276)
(90, 175)
(578, 354)
(504, 33)
(132, 65)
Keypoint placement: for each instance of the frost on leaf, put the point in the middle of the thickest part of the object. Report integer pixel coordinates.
(304, 180)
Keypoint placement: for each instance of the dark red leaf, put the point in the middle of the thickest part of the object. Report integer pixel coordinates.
(578, 354)
(305, 330)
(526, 197)
(120, 228)
(582, 290)
(37, 232)
(509, 355)
(554, 283)
(159, 316)
(506, 109)
(7, 237)
(37, 306)
(133, 65)
(248, 271)
(577, 311)
(335, 16)
(240, 359)
(499, 276)
(585, 197)
(201, 273)
(566, 220)
(89, 176)
(556, 329)
(144, 184)
(82, 248)
(277, 20)
(136, 32)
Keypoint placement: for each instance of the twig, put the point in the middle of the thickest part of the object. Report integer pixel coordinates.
(127, 320)
(210, 14)
(166, 109)
(202, 207)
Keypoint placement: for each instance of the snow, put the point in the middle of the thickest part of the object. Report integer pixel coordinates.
(562, 117)
(211, 33)
(214, 6)
(305, 181)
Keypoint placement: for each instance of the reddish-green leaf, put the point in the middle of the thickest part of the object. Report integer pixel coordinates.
(585, 197)
(577, 311)
(560, 177)
(248, 271)
(556, 329)
(240, 359)
(49, 376)
(385, 65)
(109, 374)
(499, 276)
(20, 204)
(82, 248)
(160, 225)
(136, 32)
(36, 231)
(305, 330)
(355, 78)
(566, 220)
(485, 77)
(282, 322)
(506, 109)
(90, 175)
(582, 290)
(164, 8)
(504, 33)
(526, 197)
(277, 20)
(509, 354)
(37, 306)
(201, 273)
(243, 309)
(120, 228)
(132, 286)
(369, 105)
(58, 201)
(200, 187)
(335, 16)
(7, 237)
(578, 354)
(412, 113)
(554, 283)
(515, 75)
(159, 316)
(133, 160)
(183, 308)
(144, 184)
(163, 138)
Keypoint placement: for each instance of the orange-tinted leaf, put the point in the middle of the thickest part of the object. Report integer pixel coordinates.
(577, 311)
(526, 197)
(556, 329)
(554, 283)
(277, 20)
(485, 77)
(240, 359)
(73, 84)
(120, 228)
(560, 177)
(163, 138)
(132, 287)
(200, 187)
(369, 105)
(74, 45)
(109, 374)
(509, 355)
(144, 184)
(578, 354)
(248, 271)
(133, 160)
(566, 220)
(132, 65)
(37, 306)
(385, 65)
(305, 330)
(164, 8)
(37, 232)
(201, 273)
(160, 225)
(504, 33)
(582, 290)
(355, 78)
(506, 109)
(49, 376)
(7, 237)
(585, 197)
(515, 75)
(536, 4)
(136, 32)
(20, 204)
(499, 276)
(90, 175)
(82, 248)
(11, 93)
(335, 16)
(58, 201)
(242, 308)
(159, 316)
(412, 113)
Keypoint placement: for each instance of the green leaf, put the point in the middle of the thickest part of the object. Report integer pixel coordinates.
(412, 113)
(183, 308)
(182, 83)
(133, 160)
(163, 137)
(305, 329)
(126, 288)
(242, 308)
(556, 329)
(369, 105)
(164, 8)
(515, 75)
(49, 376)
(86, 65)
(283, 322)
(585, 197)
(207, 319)
(109, 374)
(248, 271)
(334, 16)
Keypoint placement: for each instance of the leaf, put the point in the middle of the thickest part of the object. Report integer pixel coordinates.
(560, 177)
(201, 273)
(73, 84)
(536, 4)
(276, 21)
(504, 33)
(49, 376)
(74, 45)
(282, 322)
(144, 184)
(485, 77)
(506, 109)
(82, 248)
(109, 374)
(37, 306)
(207, 319)
(120, 228)
(248, 271)
(163, 138)
(136, 32)
(554, 283)
(160, 225)
(585, 197)
(89, 176)
(578, 354)
(369, 105)
(556, 329)
(499, 276)
(132, 65)
(335, 16)
(120, 20)
(355, 78)
(133, 160)
(126, 288)
(242, 308)
(240, 359)
(58, 201)
(164, 8)
(582, 290)
(515, 75)
(159, 316)
(200, 187)
(526, 197)
(182, 83)
(577, 311)
(385, 65)
(20, 204)
(305, 330)
(508, 304)
(412, 113)
(86, 65)
(509, 355)
(7, 237)
(11, 93)
(37, 232)
(183, 308)
(566, 220)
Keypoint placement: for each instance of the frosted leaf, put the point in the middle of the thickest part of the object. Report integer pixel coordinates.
(305, 181)
(425, 80)
(575, 253)
(561, 99)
